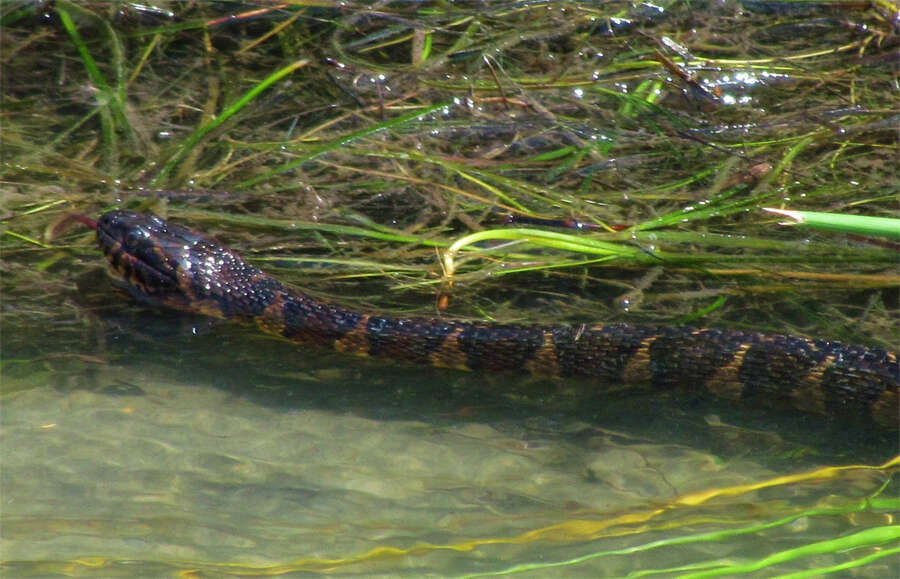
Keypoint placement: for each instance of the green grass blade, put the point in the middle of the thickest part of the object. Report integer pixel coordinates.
(861, 539)
(27, 239)
(112, 111)
(857, 224)
(865, 538)
(552, 239)
(343, 141)
(62, 9)
(194, 138)
(250, 221)
(852, 564)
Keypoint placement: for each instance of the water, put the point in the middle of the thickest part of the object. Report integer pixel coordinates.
(212, 451)
(146, 444)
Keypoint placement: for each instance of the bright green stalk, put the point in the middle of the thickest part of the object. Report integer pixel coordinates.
(861, 539)
(864, 538)
(857, 224)
(561, 241)
(852, 564)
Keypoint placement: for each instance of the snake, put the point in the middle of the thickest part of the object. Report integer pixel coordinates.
(172, 265)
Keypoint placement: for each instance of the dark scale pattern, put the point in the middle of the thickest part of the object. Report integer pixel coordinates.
(246, 294)
(307, 320)
(499, 348)
(857, 379)
(684, 357)
(774, 365)
(410, 340)
(175, 266)
(253, 302)
(600, 353)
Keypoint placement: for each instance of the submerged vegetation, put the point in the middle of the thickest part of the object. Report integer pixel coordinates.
(519, 161)
(367, 139)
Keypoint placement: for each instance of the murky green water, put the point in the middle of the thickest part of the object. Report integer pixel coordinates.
(213, 451)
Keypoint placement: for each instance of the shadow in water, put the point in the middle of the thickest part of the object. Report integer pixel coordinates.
(283, 375)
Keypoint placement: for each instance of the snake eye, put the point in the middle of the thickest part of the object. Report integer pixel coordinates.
(132, 239)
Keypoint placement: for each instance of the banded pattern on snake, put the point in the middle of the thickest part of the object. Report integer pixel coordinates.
(175, 266)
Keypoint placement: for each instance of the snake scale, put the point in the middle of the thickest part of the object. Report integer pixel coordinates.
(172, 265)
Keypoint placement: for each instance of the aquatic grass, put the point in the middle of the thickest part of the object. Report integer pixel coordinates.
(111, 98)
(856, 224)
(631, 523)
(344, 140)
(721, 204)
(27, 239)
(188, 145)
(868, 538)
(550, 239)
(557, 242)
(255, 222)
(510, 193)
(566, 175)
(501, 200)
(360, 265)
(459, 194)
(878, 553)
(621, 247)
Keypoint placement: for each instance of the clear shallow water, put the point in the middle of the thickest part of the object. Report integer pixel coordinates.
(215, 451)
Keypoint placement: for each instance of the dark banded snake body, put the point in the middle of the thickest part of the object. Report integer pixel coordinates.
(175, 266)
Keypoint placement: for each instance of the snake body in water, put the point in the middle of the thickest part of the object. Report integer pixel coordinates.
(172, 265)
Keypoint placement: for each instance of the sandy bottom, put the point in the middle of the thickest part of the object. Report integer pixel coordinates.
(172, 476)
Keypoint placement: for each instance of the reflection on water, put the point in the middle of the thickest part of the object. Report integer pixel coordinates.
(195, 453)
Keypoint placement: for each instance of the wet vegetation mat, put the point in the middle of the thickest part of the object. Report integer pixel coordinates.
(715, 164)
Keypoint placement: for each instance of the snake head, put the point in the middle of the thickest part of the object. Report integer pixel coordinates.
(161, 262)
(143, 251)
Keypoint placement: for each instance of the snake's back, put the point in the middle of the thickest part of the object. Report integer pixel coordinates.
(175, 266)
